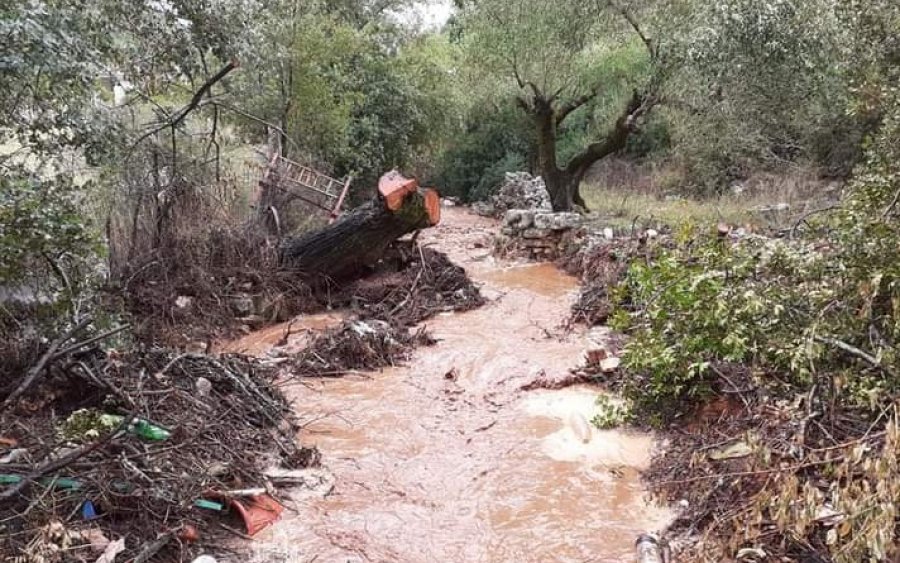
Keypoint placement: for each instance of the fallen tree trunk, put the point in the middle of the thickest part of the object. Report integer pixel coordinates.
(360, 238)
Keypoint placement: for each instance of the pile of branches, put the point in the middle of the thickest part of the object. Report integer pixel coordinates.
(424, 283)
(416, 284)
(102, 448)
(207, 283)
(192, 288)
(758, 478)
(358, 345)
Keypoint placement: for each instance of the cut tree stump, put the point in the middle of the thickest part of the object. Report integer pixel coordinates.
(360, 238)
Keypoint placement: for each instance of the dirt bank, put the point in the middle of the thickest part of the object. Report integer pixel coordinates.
(448, 459)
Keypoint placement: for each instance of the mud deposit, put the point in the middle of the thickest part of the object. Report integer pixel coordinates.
(446, 459)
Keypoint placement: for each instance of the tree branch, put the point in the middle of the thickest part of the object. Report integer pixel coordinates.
(523, 103)
(515, 68)
(191, 106)
(563, 112)
(250, 116)
(853, 350)
(651, 47)
(198, 95)
(615, 140)
(41, 365)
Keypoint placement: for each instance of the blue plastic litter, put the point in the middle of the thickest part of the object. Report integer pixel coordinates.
(88, 512)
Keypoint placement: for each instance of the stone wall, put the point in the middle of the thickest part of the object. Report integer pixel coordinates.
(520, 190)
(538, 235)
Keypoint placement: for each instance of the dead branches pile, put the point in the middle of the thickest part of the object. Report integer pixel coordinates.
(208, 283)
(358, 345)
(109, 449)
(388, 306)
(426, 284)
(751, 476)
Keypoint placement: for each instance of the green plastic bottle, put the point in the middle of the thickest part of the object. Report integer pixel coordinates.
(139, 427)
(149, 431)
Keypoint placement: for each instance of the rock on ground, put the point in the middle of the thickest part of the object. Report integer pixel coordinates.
(520, 190)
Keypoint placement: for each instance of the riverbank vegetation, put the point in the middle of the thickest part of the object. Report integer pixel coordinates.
(759, 138)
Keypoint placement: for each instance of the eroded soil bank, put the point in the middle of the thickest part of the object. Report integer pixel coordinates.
(448, 459)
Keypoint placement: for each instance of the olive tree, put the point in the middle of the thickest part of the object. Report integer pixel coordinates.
(557, 57)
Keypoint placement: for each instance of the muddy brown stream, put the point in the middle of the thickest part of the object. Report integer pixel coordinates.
(447, 459)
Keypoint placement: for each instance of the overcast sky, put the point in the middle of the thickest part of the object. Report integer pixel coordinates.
(433, 13)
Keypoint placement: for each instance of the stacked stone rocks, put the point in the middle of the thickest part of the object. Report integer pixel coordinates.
(538, 235)
(520, 190)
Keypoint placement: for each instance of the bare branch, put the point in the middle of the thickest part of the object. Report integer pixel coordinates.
(515, 68)
(191, 106)
(563, 112)
(651, 47)
(853, 350)
(639, 104)
(43, 362)
(250, 116)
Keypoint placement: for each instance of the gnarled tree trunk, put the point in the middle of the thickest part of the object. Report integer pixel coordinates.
(563, 183)
(359, 239)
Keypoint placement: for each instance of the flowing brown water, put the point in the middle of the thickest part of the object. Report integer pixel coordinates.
(447, 459)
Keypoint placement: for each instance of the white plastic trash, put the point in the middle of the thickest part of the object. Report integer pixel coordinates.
(649, 549)
(204, 386)
(580, 427)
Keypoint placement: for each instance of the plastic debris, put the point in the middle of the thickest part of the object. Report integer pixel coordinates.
(189, 533)
(208, 504)
(204, 386)
(111, 551)
(258, 512)
(60, 483)
(649, 549)
(88, 510)
(13, 455)
(139, 427)
(733, 451)
(751, 554)
(580, 427)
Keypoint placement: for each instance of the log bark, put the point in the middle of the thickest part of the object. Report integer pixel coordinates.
(359, 239)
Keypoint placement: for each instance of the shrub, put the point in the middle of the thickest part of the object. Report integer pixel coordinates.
(491, 145)
(806, 332)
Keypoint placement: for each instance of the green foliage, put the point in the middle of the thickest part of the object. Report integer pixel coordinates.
(612, 413)
(355, 99)
(796, 308)
(708, 302)
(388, 119)
(542, 42)
(40, 220)
(491, 145)
(759, 84)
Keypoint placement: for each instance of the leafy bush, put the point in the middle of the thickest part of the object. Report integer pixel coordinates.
(710, 301)
(40, 224)
(612, 414)
(493, 176)
(491, 145)
(807, 332)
